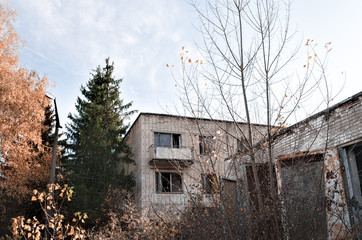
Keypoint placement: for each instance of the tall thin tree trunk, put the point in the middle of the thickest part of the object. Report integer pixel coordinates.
(250, 136)
(271, 167)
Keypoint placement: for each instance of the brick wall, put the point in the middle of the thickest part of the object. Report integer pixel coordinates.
(141, 140)
(340, 126)
(320, 134)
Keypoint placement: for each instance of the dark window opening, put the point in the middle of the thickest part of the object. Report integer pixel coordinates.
(206, 145)
(358, 157)
(240, 145)
(176, 140)
(264, 180)
(353, 161)
(167, 182)
(210, 183)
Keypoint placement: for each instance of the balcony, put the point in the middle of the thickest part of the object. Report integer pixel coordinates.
(170, 157)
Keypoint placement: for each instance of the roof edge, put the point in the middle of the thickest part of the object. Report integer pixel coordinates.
(184, 117)
(318, 114)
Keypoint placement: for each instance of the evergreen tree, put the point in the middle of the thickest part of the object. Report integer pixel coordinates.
(96, 153)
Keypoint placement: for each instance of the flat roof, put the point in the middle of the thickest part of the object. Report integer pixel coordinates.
(183, 117)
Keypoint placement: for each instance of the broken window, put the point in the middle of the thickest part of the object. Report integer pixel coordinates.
(167, 140)
(168, 182)
(352, 163)
(240, 145)
(352, 156)
(206, 144)
(210, 183)
(357, 152)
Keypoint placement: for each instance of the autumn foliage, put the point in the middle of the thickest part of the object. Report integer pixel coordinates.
(22, 106)
(56, 226)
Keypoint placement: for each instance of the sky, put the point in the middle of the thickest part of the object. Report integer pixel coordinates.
(65, 40)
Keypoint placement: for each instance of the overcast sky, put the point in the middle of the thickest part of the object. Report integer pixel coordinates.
(67, 39)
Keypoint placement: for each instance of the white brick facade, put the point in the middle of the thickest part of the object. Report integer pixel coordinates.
(141, 140)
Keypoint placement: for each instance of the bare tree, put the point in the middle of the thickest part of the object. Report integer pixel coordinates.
(244, 75)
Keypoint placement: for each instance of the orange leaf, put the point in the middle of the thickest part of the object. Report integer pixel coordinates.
(33, 198)
(285, 95)
(167, 65)
(51, 225)
(189, 60)
(309, 57)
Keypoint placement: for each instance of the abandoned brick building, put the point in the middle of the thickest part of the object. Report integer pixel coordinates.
(176, 156)
(317, 165)
(318, 171)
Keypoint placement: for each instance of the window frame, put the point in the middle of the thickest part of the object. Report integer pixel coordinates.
(352, 172)
(159, 179)
(206, 144)
(172, 143)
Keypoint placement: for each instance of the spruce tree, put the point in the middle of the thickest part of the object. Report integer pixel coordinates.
(96, 153)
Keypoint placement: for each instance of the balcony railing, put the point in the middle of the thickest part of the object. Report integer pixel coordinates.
(165, 155)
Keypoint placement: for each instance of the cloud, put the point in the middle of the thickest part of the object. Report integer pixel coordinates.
(128, 39)
(67, 39)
